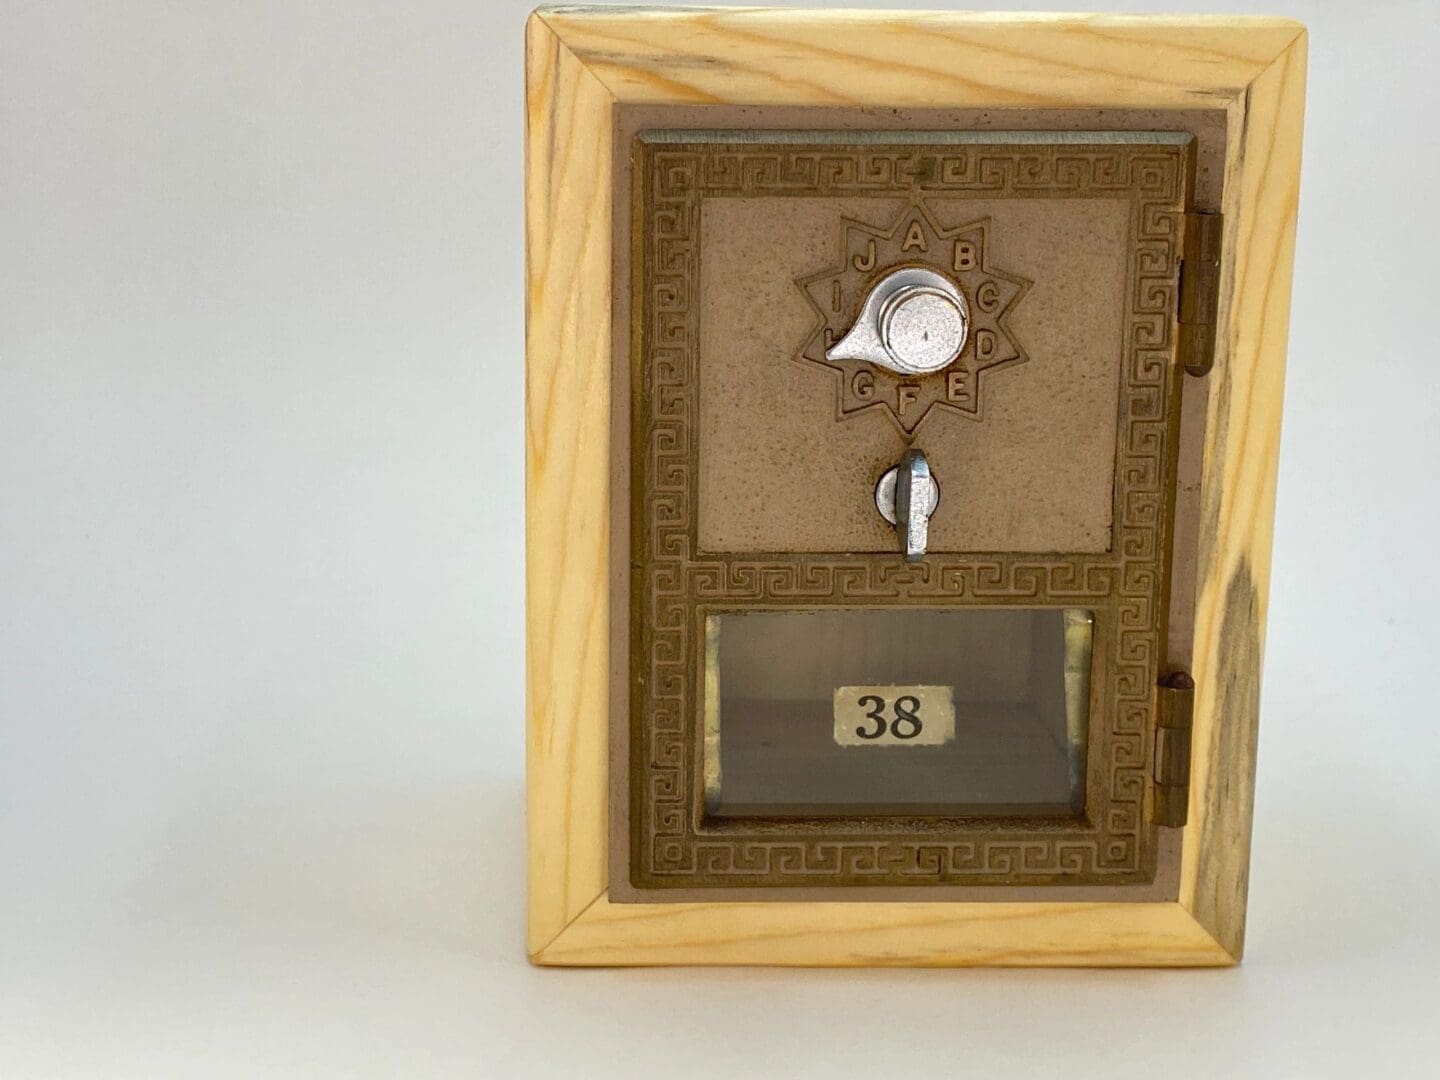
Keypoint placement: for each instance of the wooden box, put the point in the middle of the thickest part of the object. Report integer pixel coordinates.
(1032, 272)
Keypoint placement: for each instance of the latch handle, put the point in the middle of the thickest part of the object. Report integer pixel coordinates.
(906, 496)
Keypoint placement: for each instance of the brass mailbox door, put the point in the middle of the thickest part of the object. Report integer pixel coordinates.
(904, 426)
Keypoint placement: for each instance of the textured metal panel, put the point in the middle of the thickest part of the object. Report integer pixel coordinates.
(676, 584)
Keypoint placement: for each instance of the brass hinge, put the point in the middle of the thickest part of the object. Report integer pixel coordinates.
(1199, 290)
(1172, 749)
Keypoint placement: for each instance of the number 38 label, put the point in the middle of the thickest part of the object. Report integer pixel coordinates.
(894, 715)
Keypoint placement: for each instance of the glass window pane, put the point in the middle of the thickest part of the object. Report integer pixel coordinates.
(980, 711)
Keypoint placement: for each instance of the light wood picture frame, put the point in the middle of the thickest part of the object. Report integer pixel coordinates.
(583, 62)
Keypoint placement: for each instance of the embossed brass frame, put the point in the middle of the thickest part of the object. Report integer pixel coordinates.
(585, 65)
(676, 585)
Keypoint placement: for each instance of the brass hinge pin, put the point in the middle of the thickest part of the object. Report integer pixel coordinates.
(1175, 717)
(1200, 290)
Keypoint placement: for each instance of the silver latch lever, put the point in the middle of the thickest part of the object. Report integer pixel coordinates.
(906, 496)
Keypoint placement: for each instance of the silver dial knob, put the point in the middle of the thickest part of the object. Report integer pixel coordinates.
(914, 322)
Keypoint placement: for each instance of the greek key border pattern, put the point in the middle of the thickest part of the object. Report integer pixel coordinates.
(673, 585)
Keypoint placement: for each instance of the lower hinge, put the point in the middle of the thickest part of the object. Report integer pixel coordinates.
(1174, 717)
(1199, 290)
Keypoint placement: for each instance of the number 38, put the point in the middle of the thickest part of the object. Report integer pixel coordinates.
(906, 724)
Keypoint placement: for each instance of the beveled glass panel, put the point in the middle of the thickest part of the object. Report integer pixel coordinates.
(840, 712)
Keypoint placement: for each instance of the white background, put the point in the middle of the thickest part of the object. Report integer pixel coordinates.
(261, 717)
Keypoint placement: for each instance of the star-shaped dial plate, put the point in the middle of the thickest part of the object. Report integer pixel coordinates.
(867, 255)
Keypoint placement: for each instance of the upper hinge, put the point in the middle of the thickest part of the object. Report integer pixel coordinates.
(1200, 290)
(1172, 749)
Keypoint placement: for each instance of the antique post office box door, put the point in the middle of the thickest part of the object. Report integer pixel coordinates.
(903, 436)
(903, 396)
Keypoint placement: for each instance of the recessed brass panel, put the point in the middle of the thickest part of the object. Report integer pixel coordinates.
(1120, 351)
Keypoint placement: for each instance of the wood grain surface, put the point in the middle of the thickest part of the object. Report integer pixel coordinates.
(567, 455)
(767, 56)
(887, 935)
(580, 63)
(1242, 445)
